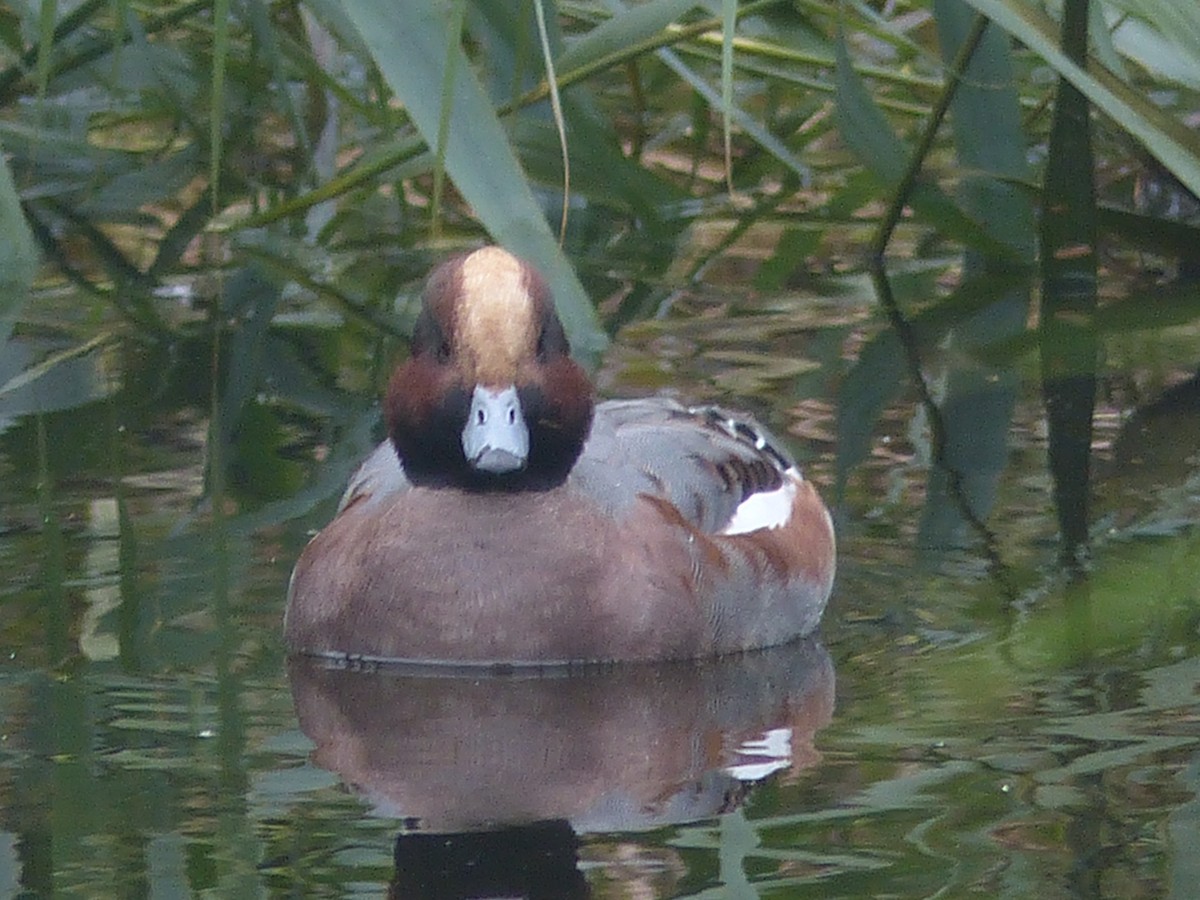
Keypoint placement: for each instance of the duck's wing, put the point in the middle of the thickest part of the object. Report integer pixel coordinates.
(722, 471)
(379, 475)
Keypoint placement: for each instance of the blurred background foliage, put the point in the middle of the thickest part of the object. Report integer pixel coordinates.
(208, 184)
(876, 223)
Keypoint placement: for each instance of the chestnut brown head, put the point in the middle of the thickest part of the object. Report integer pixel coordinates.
(490, 397)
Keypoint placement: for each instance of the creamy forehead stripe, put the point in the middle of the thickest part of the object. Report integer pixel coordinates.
(495, 324)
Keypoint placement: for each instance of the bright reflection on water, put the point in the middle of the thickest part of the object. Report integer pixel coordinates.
(987, 732)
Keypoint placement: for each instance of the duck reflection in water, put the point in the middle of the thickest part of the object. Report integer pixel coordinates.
(494, 776)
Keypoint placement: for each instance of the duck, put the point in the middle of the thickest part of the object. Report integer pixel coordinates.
(509, 518)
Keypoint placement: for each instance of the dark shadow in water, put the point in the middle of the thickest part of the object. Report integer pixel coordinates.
(534, 861)
(505, 769)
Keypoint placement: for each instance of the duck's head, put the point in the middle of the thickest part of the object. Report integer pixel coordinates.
(489, 398)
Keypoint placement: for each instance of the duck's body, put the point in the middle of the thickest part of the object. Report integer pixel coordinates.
(507, 520)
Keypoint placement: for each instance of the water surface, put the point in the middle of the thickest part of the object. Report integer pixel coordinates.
(969, 723)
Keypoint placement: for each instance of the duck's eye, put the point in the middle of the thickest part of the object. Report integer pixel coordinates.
(444, 352)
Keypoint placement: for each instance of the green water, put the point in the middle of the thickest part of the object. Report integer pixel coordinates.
(978, 727)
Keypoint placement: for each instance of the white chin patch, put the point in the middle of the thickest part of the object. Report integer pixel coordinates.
(766, 509)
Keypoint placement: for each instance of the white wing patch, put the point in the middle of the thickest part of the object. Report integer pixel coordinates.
(759, 758)
(766, 509)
